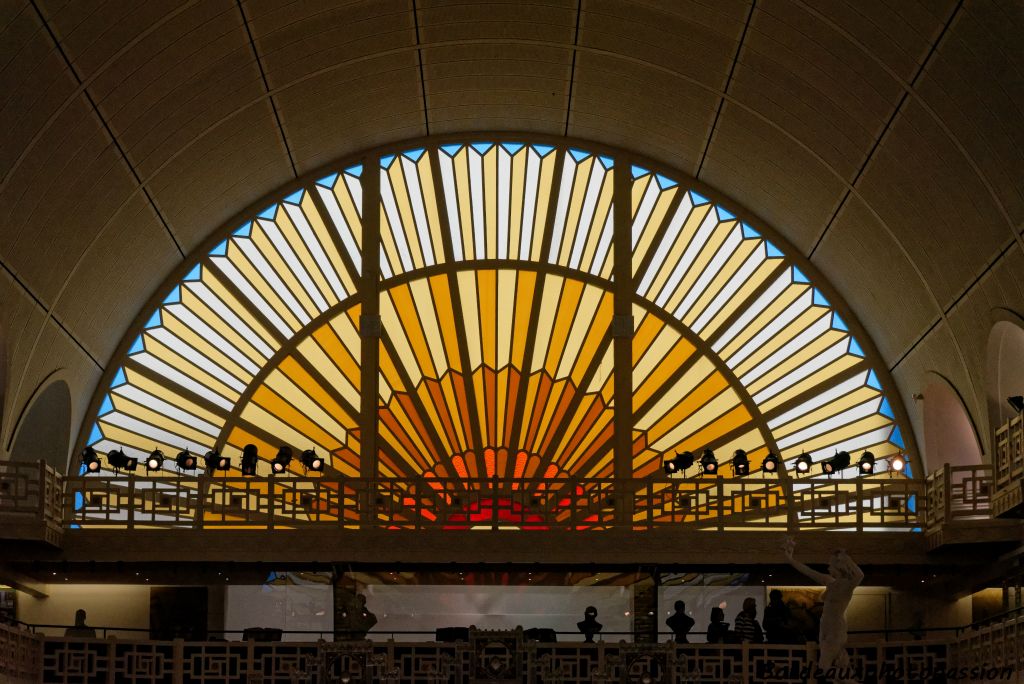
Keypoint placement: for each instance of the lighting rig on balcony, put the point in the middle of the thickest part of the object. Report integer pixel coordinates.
(250, 457)
(90, 460)
(740, 463)
(708, 463)
(770, 464)
(679, 463)
(867, 463)
(839, 462)
(897, 463)
(311, 461)
(214, 461)
(185, 460)
(803, 463)
(155, 461)
(282, 460)
(120, 461)
(1016, 402)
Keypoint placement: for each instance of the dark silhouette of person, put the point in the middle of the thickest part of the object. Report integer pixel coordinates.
(589, 626)
(680, 623)
(778, 621)
(747, 627)
(718, 630)
(356, 619)
(80, 630)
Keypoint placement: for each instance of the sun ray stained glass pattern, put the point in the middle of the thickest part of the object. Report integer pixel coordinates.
(780, 337)
(220, 327)
(496, 346)
(540, 397)
(497, 198)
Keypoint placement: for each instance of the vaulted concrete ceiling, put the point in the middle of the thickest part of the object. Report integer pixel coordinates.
(882, 137)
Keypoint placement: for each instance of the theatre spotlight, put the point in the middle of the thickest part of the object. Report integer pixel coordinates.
(679, 462)
(803, 463)
(867, 463)
(708, 462)
(311, 461)
(770, 463)
(1016, 402)
(250, 457)
(120, 461)
(836, 463)
(155, 460)
(740, 463)
(90, 460)
(281, 461)
(185, 460)
(214, 461)
(897, 463)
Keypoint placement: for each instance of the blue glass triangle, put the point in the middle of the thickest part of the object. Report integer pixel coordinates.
(385, 162)
(512, 148)
(838, 323)
(579, 155)
(356, 170)
(798, 276)
(119, 378)
(638, 171)
(137, 346)
(873, 381)
(608, 162)
(482, 147)
(773, 251)
(886, 410)
(195, 274)
(95, 434)
(174, 297)
(723, 215)
(79, 501)
(246, 230)
(295, 197)
(154, 320)
(220, 250)
(270, 212)
(542, 150)
(666, 183)
(414, 155)
(819, 299)
(896, 437)
(912, 499)
(106, 407)
(451, 150)
(749, 233)
(328, 181)
(697, 199)
(855, 348)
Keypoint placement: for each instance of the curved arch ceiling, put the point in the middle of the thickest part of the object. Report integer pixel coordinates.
(497, 292)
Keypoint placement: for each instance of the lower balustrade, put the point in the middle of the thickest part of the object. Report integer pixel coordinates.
(497, 657)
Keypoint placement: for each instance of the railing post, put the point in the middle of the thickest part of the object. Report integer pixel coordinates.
(131, 501)
(947, 493)
(178, 666)
(271, 484)
(41, 488)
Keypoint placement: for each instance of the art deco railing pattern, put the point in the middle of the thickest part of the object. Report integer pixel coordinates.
(1009, 466)
(497, 657)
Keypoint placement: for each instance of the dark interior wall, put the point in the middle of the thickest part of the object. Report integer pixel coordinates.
(44, 431)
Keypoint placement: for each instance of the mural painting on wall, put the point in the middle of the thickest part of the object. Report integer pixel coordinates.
(805, 604)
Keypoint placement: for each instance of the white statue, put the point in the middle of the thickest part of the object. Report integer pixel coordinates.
(843, 576)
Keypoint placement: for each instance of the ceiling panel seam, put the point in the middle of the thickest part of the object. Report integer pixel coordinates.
(266, 86)
(106, 127)
(725, 89)
(572, 66)
(966, 291)
(885, 129)
(38, 302)
(419, 59)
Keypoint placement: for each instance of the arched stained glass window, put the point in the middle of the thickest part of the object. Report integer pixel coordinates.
(494, 327)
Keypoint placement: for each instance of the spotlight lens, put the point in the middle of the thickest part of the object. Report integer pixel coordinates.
(94, 466)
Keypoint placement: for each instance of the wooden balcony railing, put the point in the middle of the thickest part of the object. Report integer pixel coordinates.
(959, 493)
(31, 501)
(463, 504)
(1009, 453)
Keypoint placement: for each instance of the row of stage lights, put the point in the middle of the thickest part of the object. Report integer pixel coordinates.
(708, 463)
(186, 460)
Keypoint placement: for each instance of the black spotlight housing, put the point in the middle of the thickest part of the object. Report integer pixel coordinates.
(770, 463)
(803, 463)
(311, 461)
(155, 461)
(866, 465)
(214, 461)
(708, 462)
(679, 463)
(836, 463)
(281, 461)
(90, 460)
(250, 457)
(185, 460)
(121, 461)
(1017, 402)
(740, 463)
